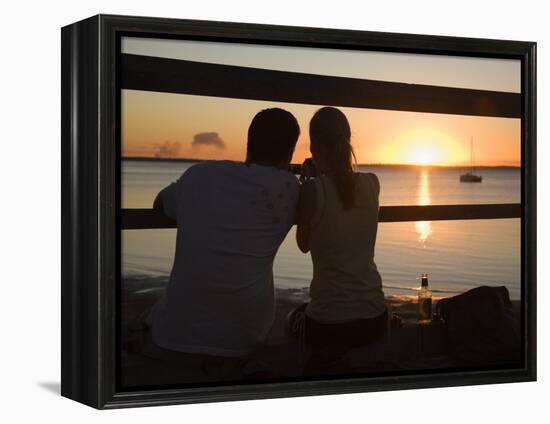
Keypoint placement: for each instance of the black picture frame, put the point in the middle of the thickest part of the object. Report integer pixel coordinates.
(91, 214)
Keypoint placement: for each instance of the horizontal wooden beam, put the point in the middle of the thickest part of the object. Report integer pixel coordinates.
(145, 219)
(448, 212)
(207, 79)
(142, 219)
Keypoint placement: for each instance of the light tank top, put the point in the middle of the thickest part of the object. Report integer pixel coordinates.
(346, 284)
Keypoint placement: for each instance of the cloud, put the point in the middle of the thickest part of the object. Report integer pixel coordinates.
(167, 149)
(208, 139)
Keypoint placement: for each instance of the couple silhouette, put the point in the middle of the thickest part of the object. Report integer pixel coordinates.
(219, 306)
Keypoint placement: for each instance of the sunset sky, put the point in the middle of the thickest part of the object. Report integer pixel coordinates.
(175, 125)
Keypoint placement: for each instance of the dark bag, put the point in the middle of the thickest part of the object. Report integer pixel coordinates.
(481, 327)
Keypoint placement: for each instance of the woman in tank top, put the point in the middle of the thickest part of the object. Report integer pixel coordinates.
(337, 223)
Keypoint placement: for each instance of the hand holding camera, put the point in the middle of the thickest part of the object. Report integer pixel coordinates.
(308, 170)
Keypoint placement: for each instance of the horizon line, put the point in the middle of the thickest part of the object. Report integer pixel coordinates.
(458, 165)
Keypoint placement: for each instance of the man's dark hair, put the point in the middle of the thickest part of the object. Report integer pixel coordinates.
(272, 136)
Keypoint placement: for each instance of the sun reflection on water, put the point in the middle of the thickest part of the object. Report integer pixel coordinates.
(423, 228)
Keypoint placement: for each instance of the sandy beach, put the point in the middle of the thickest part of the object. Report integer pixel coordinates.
(407, 348)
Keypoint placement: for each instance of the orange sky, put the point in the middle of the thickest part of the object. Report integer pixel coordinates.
(165, 124)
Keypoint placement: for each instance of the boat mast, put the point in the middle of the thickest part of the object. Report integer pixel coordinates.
(472, 155)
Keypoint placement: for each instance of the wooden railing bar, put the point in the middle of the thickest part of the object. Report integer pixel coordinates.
(141, 219)
(207, 79)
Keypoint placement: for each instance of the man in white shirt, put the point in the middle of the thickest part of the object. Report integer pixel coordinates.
(231, 218)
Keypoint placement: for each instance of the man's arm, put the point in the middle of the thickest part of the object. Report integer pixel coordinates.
(157, 204)
(167, 201)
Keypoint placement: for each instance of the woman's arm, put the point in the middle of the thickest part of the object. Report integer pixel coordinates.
(375, 181)
(306, 209)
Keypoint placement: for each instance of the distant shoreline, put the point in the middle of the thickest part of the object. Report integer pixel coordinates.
(386, 165)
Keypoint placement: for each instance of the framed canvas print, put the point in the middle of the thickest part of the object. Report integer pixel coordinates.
(254, 211)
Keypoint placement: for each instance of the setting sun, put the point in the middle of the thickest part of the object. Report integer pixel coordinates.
(434, 151)
(422, 155)
(425, 146)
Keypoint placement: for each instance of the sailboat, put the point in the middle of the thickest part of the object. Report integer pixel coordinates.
(471, 177)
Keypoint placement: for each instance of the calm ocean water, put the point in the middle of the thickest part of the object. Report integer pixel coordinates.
(457, 255)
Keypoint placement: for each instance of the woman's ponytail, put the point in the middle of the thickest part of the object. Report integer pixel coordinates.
(330, 130)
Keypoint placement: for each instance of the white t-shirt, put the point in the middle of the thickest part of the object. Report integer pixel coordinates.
(232, 218)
